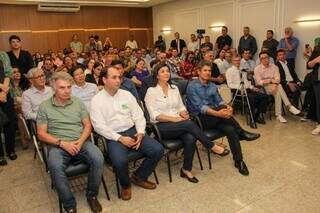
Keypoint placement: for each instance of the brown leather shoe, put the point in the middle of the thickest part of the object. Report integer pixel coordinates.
(94, 204)
(144, 184)
(126, 193)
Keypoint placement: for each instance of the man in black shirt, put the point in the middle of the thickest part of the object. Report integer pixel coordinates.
(18, 57)
(207, 43)
(247, 41)
(216, 75)
(161, 44)
(271, 44)
(224, 41)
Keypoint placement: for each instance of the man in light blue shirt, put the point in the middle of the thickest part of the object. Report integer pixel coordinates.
(82, 89)
(290, 44)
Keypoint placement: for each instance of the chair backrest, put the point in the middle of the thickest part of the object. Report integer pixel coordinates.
(225, 93)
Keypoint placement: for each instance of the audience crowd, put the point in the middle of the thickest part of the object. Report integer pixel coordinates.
(118, 92)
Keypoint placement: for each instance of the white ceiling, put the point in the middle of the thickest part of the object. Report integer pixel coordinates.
(123, 3)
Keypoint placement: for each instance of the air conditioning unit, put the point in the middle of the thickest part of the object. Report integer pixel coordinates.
(58, 7)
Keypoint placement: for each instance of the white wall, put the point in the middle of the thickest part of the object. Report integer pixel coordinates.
(185, 16)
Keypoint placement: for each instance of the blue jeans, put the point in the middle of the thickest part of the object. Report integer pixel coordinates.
(58, 161)
(118, 154)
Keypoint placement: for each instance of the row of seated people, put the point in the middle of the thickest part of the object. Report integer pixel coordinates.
(64, 124)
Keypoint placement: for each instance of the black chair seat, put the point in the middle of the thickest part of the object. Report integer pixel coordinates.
(213, 134)
(172, 144)
(78, 169)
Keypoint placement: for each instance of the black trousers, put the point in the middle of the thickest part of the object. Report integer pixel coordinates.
(316, 89)
(258, 102)
(188, 132)
(230, 127)
(294, 97)
(9, 130)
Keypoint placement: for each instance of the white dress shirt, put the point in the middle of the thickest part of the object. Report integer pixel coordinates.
(286, 71)
(132, 44)
(219, 63)
(233, 78)
(31, 100)
(193, 45)
(113, 114)
(158, 103)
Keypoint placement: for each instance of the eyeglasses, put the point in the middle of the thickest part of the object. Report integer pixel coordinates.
(37, 77)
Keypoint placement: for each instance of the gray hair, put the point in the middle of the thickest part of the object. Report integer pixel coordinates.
(60, 76)
(32, 71)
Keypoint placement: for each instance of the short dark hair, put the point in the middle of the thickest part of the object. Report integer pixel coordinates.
(97, 64)
(225, 27)
(117, 62)
(203, 63)
(73, 69)
(12, 37)
(246, 49)
(105, 71)
(263, 52)
(270, 31)
(281, 51)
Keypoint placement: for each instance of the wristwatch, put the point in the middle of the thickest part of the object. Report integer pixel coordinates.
(57, 143)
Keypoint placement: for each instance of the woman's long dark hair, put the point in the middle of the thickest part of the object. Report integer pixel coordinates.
(155, 74)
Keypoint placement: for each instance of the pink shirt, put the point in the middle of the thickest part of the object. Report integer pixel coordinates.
(263, 74)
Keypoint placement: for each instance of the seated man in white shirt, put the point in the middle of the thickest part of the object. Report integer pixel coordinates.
(258, 100)
(82, 89)
(36, 94)
(116, 115)
(267, 75)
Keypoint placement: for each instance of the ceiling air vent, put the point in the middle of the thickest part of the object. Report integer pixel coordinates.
(58, 7)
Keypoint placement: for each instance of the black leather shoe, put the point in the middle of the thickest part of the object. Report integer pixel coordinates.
(224, 153)
(3, 161)
(253, 125)
(242, 167)
(192, 180)
(248, 136)
(260, 120)
(94, 204)
(12, 156)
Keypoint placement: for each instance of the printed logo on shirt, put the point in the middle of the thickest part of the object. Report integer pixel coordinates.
(124, 108)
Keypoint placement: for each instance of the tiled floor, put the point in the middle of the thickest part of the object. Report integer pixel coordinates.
(284, 177)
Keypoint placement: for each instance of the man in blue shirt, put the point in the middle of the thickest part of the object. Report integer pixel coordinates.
(204, 101)
(290, 44)
(126, 83)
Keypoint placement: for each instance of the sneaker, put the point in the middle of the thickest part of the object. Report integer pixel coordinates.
(281, 119)
(294, 110)
(316, 131)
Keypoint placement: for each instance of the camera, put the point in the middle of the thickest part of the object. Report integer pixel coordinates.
(200, 33)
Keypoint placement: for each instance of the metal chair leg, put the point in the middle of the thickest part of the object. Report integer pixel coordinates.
(169, 169)
(105, 187)
(209, 159)
(60, 206)
(199, 158)
(156, 177)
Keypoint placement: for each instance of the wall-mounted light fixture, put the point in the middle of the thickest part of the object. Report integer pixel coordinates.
(306, 20)
(166, 30)
(216, 27)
